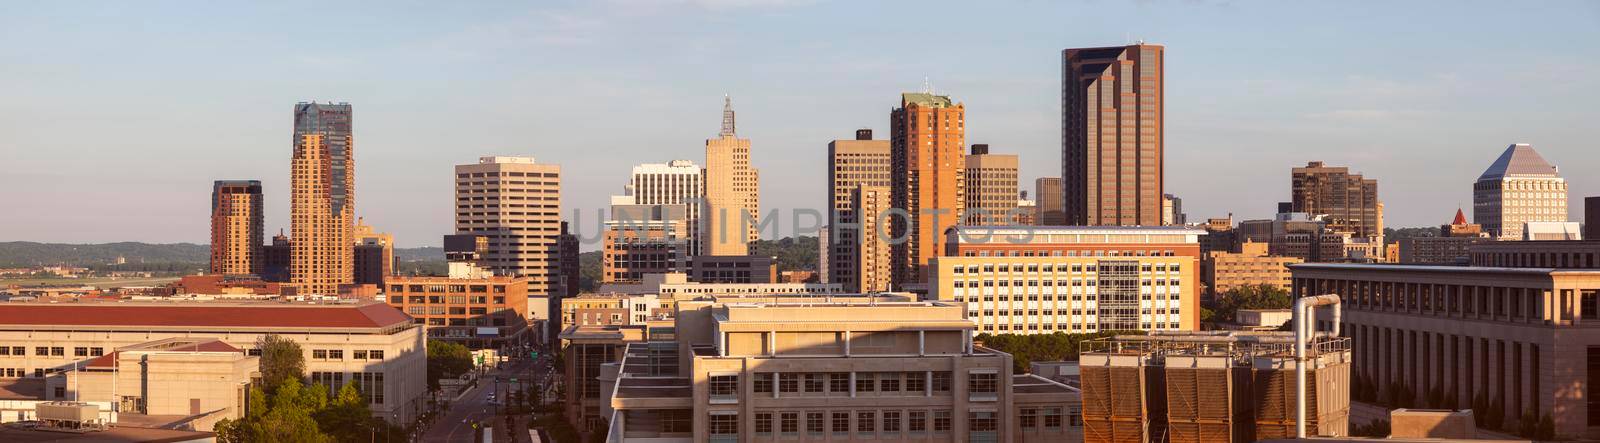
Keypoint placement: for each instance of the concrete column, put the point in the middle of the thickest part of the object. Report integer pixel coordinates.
(847, 354)
(922, 342)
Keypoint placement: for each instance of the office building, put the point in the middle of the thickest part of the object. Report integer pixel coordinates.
(990, 185)
(1112, 135)
(853, 164)
(236, 227)
(1231, 387)
(485, 312)
(275, 259)
(1518, 188)
(322, 198)
(1026, 280)
(1515, 338)
(871, 268)
(644, 239)
(1223, 271)
(370, 344)
(927, 136)
(1546, 231)
(732, 207)
(567, 249)
(734, 269)
(1347, 202)
(1296, 235)
(1450, 247)
(1027, 210)
(1172, 211)
(1220, 236)
(674, 287)
(1047, 193)
(516, 203)
(676, 182)
(374, 254)
(753, 370)
(1556, 254)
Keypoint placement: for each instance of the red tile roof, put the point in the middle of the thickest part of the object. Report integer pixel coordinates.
(371, 315)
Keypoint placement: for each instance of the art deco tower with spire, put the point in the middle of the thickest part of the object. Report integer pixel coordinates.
(732, 197)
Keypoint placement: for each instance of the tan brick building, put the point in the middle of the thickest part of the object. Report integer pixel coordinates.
(990, 187)
(1518, 188)
(322, 198)
(845, 371)
(236, 227)
(1251, 266)
(516, 203)
(854, 164)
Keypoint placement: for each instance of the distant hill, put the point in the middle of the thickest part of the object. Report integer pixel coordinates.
(22, 253)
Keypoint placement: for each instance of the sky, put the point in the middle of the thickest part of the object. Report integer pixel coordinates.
(115, 117)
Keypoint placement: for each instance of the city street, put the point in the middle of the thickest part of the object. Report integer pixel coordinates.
(474, 407)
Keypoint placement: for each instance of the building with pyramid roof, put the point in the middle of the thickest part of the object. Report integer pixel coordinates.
(1518, 188)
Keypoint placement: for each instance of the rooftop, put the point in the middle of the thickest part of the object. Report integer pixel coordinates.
(1519, 160)
(1433, 268)
(118, 434)
(179, 344)
(190, 315)
(925, 99)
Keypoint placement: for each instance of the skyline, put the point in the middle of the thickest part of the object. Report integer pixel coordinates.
(176, 127)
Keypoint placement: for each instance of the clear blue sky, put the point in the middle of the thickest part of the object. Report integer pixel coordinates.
(116, 116)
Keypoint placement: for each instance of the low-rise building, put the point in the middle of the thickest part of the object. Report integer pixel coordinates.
(371, 344)
(675, 286)
(884, 371)
(734, 269)
(1571, 254)
(1252, 266)
(1523, 340)
(482, 312)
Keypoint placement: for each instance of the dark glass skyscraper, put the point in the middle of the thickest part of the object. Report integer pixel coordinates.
(1111, 135)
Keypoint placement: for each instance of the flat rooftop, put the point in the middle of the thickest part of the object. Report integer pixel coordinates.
(117, 434)
(1434, 268)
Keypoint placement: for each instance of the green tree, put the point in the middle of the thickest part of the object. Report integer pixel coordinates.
(281, 360)
(1026, 349)
(1250, 297)
(347, 417)
(289, 417)
(446, 360)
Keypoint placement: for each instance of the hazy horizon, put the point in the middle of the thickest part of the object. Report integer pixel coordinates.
(120, 115)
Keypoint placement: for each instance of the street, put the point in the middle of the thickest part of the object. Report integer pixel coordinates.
(474, 407)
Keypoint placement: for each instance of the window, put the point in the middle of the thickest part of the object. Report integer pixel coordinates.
(676, 421)
(942, 421)
(917, 421)
(96, 352)
(81, 351)
(788, 383)
(814, 383)
(889, 382)
(841, 423)
(916, 381)
(319, 354)
(941, 381)
(789, 423)
(866, 422)
(982, 382)
(19, 350)
(358, 355)
(763, 423)
(981, 421)
(891, 421)
(763, 383)
(1052, 418)
(375, 354)
(724, 386)
(336, 354)
(838, 382)
(41, 351)
(58, 351)
(1030, 418)
(814, 423)
(724, 425)
(864, 382)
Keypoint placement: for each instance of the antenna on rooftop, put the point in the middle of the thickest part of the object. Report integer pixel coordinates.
(927, 86)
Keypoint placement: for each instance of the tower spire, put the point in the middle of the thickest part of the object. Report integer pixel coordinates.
(727, 116)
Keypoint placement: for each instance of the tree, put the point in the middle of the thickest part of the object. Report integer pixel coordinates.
(1026, 349)
(446, 360)
(281, 360)
(347, 417)
(289, 418)
(1250, 297)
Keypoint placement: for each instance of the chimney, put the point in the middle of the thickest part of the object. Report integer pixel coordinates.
(980, 149)
(863, 134)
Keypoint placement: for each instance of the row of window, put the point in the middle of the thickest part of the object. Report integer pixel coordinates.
(1075, 267)
(338, 354)
(1046, 283)
(51, 351)
(840, 382)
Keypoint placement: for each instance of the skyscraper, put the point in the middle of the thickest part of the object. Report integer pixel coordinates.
(236, 227)
(1112, 135)
(869, 261)
(1348, 202)
(1519, 187)
(1047, 194)
(853, 164)
(927, 136)
(322, 203)
(990, 185)
(674, 183)
(732, 192)
(516, 203)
